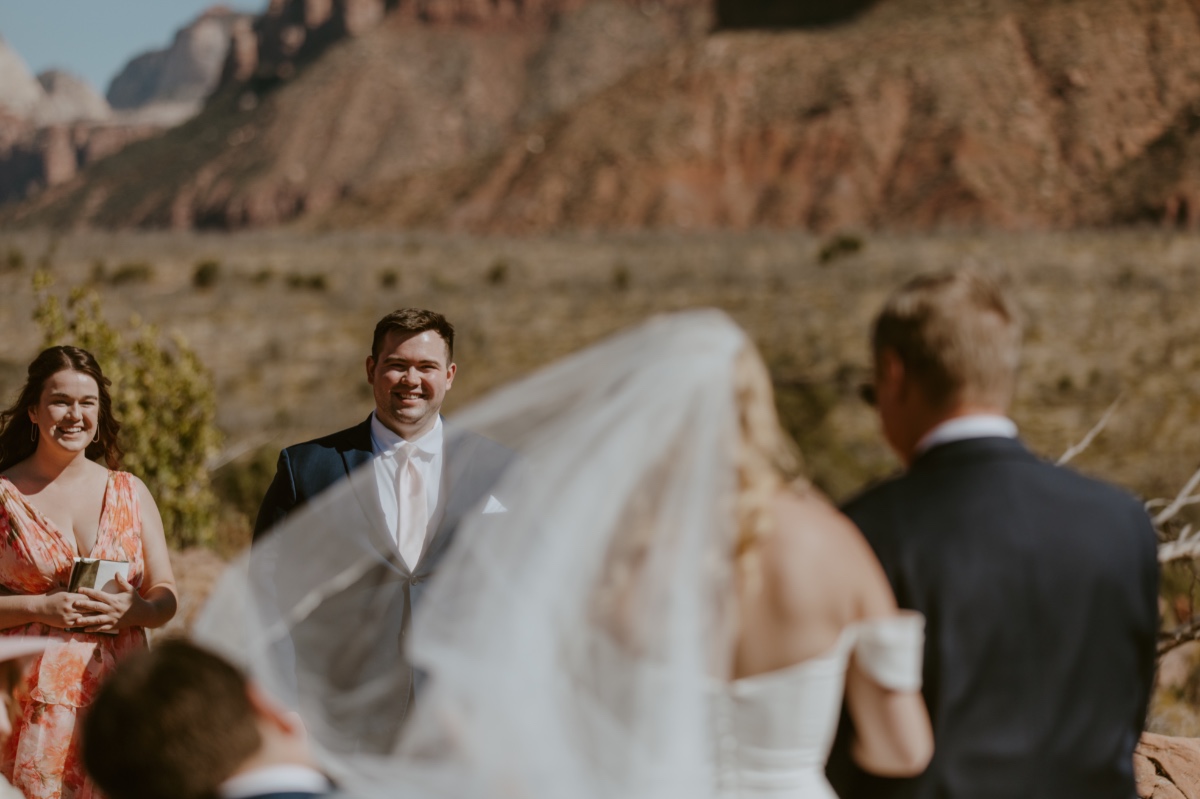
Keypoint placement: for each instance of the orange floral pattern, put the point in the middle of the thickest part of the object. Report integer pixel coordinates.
(42, 757)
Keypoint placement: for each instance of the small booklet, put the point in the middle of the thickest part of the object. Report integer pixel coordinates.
(97, 574)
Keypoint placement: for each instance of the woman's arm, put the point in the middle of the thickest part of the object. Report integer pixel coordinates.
(156, 603)
(893, 736)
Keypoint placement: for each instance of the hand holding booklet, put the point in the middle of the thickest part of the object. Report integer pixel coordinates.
(97, 574)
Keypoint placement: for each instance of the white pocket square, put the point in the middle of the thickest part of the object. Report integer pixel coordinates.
(493, 506)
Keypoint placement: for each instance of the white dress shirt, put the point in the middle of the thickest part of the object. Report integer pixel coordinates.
(385, 443)
(961, 428)
(287, 778)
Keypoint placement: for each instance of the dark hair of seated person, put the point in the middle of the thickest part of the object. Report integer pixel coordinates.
(173, 722)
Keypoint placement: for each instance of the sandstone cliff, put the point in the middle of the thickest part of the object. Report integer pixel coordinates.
(534, 116)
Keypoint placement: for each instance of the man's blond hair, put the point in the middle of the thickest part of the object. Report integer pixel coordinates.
(957, 335)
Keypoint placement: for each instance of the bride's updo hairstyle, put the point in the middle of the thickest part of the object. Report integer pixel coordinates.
(17, 439)
(767, 459)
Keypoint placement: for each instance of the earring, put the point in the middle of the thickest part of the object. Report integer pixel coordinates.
(33, 433)
(96, 437)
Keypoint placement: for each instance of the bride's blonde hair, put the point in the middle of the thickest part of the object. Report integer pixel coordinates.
(767, 458)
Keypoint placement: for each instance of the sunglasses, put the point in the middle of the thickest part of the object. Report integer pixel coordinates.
(866, 392)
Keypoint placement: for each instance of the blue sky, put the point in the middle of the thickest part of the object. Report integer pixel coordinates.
(94, 38)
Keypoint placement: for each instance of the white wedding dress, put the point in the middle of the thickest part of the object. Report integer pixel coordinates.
(773, 731)
(572, 640)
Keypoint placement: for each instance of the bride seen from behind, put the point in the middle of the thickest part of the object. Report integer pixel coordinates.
(810, 592)
(654, 612)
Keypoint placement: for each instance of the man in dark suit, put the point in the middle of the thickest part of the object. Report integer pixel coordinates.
(179, 722)
(415, 480)
(1039, 585)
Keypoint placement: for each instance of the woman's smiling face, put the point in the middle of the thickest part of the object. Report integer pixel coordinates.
(68, 412)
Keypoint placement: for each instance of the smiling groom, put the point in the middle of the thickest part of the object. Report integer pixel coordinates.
(428, 478)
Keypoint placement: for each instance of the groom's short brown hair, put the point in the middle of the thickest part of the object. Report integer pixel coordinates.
(957, 334)
(414, 320)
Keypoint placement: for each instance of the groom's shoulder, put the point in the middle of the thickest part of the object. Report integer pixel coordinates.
(355, 437)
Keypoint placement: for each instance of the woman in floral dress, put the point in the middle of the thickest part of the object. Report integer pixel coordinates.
(57, 503)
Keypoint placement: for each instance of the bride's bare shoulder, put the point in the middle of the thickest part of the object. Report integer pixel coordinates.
(817, 549)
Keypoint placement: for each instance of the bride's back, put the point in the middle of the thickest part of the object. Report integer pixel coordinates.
(802, 583)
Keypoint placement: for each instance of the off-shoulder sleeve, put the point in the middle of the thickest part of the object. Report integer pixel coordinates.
(890, 649)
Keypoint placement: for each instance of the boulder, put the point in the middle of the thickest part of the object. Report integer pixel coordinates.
(1167, 768)
(68, 99)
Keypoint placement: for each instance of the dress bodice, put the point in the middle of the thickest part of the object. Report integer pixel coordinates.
(774, 730)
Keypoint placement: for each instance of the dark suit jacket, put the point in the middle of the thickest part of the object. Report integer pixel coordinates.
(1040, 590)
(360, 673)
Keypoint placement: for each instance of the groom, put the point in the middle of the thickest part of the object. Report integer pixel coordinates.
(416, 479)
(1039, 585)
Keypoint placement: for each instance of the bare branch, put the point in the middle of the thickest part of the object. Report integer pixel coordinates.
(1187, 545)
(1091, 434)
(1178, 637)
(1182, 499)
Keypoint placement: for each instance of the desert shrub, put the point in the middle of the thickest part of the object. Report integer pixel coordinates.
(131, 272)
(206, 274)
(313, 282)
(388, 279)
(263, 276)
(497, 273)
(839, 247)
(162, 394)
(620, 276)
(241, 483)
(14, 260)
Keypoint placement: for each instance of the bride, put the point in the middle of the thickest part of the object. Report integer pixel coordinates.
(644, 608)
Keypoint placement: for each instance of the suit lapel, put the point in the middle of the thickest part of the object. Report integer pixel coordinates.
(358, 455)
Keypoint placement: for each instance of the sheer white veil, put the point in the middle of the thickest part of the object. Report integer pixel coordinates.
(571, 635)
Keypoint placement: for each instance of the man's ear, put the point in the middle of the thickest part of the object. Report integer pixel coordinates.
(892, 374)
(371, 369)
(451, 370)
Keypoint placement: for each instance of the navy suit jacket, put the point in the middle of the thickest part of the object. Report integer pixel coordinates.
(1040, 591)
(364, 673)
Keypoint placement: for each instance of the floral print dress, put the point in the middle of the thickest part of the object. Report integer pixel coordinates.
(42, 757)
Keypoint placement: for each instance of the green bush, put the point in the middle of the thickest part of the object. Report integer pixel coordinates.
(497, 273)
(164, 398)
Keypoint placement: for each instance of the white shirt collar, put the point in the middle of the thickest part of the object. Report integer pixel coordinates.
(289, 778)
(384, 439)
(961, 428)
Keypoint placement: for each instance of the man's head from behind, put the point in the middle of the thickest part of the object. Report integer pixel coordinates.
(177, 721)
(410, 369)
(945, 344)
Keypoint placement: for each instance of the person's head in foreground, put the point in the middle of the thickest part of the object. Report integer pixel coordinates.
(179, 721)
(946, 345)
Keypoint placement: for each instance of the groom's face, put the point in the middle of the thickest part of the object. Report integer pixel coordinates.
(410, 379)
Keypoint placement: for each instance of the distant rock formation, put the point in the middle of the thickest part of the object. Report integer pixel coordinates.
(184, 73)
(68, 99)
(54, 126)
(19, 90)
(528, 116)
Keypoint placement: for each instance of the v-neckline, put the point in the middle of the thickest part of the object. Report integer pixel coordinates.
(72, 543)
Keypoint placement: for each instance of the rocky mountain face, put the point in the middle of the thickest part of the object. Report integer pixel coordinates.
(525, 117)
(185, 73)
(429, 87)
(53, 126)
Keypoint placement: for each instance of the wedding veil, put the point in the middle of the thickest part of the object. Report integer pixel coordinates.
(571, 637)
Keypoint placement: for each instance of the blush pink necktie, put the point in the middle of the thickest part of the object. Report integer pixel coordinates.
(412, 517)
